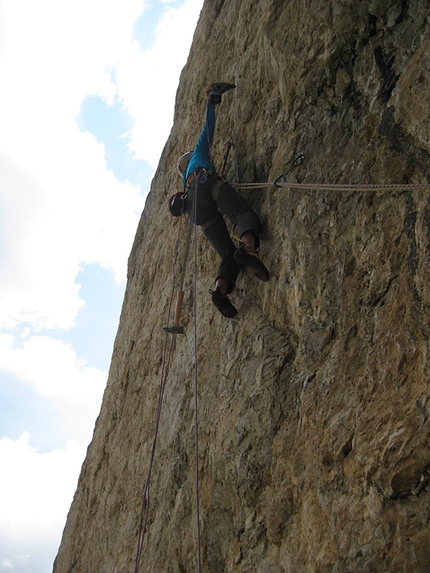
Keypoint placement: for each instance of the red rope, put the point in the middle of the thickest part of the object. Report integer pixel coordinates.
(167, 357)
(144, 514)
(196, 417)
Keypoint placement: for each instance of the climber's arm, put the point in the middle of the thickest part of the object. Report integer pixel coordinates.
(201, 156)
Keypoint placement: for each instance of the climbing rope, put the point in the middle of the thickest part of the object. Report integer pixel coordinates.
(196, 418)
(281, 181)
(350, 186)
(166, 363)
(144, 513)
(334, 186)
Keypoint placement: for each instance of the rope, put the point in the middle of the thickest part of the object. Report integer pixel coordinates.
(356, 186)
(334, 186)
(144, 514)
(167, 357)
(196, 423)
(166, 362)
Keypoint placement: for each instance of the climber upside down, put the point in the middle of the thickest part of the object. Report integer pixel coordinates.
(215, 198)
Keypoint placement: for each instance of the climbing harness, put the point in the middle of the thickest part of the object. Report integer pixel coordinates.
(200, 175)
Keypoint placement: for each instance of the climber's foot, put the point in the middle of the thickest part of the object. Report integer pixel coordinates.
(221, 87)
(223, 303)
(252, 260)
(214, 91)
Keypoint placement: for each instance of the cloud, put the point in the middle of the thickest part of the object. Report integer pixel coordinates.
(154, 87)
(62, 206)
(35, 493)
(58, 217)
(62, 209)
(52, 369)
(36, 478)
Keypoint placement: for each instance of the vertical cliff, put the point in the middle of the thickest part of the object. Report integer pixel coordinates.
(314, 401)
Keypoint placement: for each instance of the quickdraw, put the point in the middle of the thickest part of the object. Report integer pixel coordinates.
(298, 160)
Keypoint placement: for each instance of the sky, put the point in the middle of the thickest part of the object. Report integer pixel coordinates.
(86, 106)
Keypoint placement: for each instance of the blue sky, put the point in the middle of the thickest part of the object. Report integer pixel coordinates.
(111, 124)
(78, 146)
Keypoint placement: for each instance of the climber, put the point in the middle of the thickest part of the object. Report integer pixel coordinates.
(215, 198)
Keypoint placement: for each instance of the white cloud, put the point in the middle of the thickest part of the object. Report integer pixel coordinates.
(62, 50)
(154, 88)
(36, 490)
(60, 208)
(54, 371)
(29, 479)
(67, 208)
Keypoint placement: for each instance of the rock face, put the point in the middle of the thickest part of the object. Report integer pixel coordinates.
(313, 404)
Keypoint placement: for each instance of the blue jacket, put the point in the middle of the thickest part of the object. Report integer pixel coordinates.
(201, 156)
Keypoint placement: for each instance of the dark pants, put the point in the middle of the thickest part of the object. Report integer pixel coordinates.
(208, 214)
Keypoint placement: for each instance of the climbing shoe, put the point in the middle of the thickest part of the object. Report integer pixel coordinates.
(223, 304)
(253, 261)
(223, 87)
(215, 91)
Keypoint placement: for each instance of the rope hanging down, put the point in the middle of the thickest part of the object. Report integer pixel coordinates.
(167, 358)
(196, 419)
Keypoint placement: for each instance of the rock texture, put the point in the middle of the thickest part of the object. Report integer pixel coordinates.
(314, 402)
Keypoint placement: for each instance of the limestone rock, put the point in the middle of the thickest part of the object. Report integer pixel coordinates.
(313, 403)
